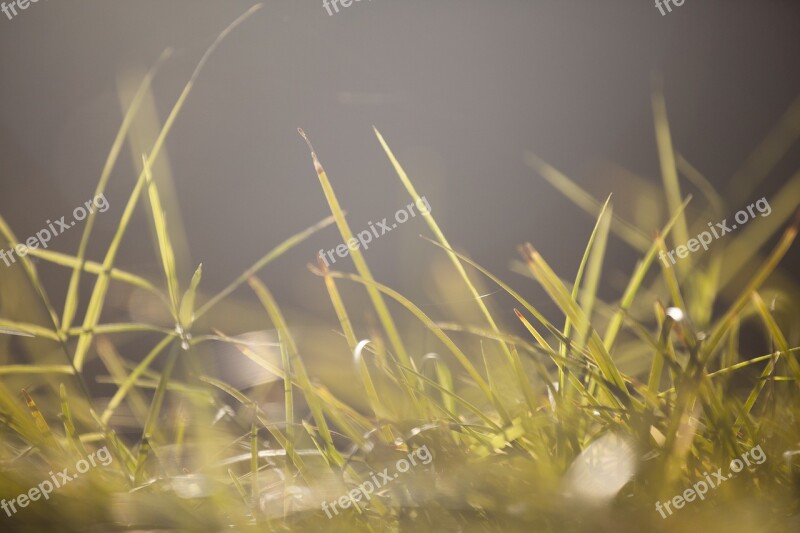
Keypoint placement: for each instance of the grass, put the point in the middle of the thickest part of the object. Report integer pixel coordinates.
(580, 425)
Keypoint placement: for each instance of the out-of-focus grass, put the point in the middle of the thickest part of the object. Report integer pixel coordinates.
(562, 431)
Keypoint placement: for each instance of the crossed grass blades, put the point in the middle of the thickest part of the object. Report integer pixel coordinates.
(504, 416)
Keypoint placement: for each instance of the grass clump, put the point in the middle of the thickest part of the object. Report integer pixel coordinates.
(582, 424)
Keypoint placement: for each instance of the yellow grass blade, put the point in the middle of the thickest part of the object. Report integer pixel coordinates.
(273, 254)
(10, 327)
(93, 267)
(770, 264)
(430, 324)
(165, 249)
(36, 369)
(358, 259)
(71, 300)
(510, 354)
(293, 366)
(186, 312)
(130, 381)
(666, 155)
(635, 283)
(98, 297)
(558, 293)
(627, 232)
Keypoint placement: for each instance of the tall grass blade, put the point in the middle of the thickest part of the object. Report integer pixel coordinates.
(273, 254)
(293, 366)
(98, 297)
(71, 300)
(358, 259)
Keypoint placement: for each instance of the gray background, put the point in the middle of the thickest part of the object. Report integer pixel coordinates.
(460, 90)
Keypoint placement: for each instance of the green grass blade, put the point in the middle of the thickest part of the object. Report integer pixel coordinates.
(339, 308)
(595, 250)
(758, 233)
(11, 327)
(92, 267)
(558, 293)
(274, 431)
(767, 154)
(113, 363)
(71, 300)
(423, 318)
(122, 327)
(764, 271)
(273, 254)
(69, 424)
(30, 270)
(165, 249)
(123, 390)
(778, 337)
(510, 354)
(51, 444)
(151, 423)
(635, 283)
(98, 297)
(627, 232)
(35, 369)
(358, 259)
(666, 155)
(293, 366)
(186, 312)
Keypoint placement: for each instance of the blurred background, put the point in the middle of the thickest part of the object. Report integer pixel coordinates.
(461, 90)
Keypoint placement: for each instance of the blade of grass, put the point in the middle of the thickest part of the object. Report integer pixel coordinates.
(151, 423)
(423, 318)
(129, 382)
(767, 154)
(635, 283)
(186, 312)
(338, 307)
(770, 264)
(30, 270)
(595, 252)
(666, 156)
(92, 267)
(35, 369)
(71, 300)
(113, 362)
(747, 243)
(632, 235)
(558, 293)
(98, 297)
(105, 329)
(778, 338)
(10, 327)
(510, 353)
(43, 427)
(274, 431)
(273, 254)
(358, 258)
(69, 425)
(293, 366)
(166, 252)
